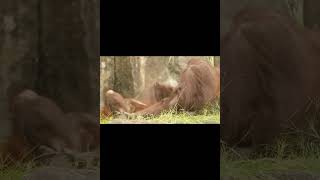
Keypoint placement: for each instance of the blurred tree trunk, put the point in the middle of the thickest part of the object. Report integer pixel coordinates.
(295, 8)
(19, 36)
(53, 47)
(123, 77)
(312, 13)
(69, 53)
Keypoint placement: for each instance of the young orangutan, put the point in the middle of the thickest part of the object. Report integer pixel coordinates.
(116, 102)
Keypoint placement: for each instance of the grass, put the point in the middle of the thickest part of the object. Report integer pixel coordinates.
(295, 151)
(16, 171)
(206, 116)
(12, 174)
(12, 169)
(299, 154)
(266, 167)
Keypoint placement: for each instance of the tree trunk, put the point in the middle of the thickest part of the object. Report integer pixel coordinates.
(123, 79)
(312, 13)
(69, 53)
(19, 29)
(53, 47)
(295, 8)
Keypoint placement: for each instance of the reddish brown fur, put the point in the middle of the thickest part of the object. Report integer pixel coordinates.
(199, 86)
(89, 130)
(39, 121)
(155, 93)
(136, 105)
(17, 149)
(105, 110)
(162, 91)
(150, 96)
(156, 108)
(271, 70)
(116, 102)
(217, 81)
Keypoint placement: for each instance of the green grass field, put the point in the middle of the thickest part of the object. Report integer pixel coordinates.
(206, 116)
(267, 167)
(299, 157)
(14, 172)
